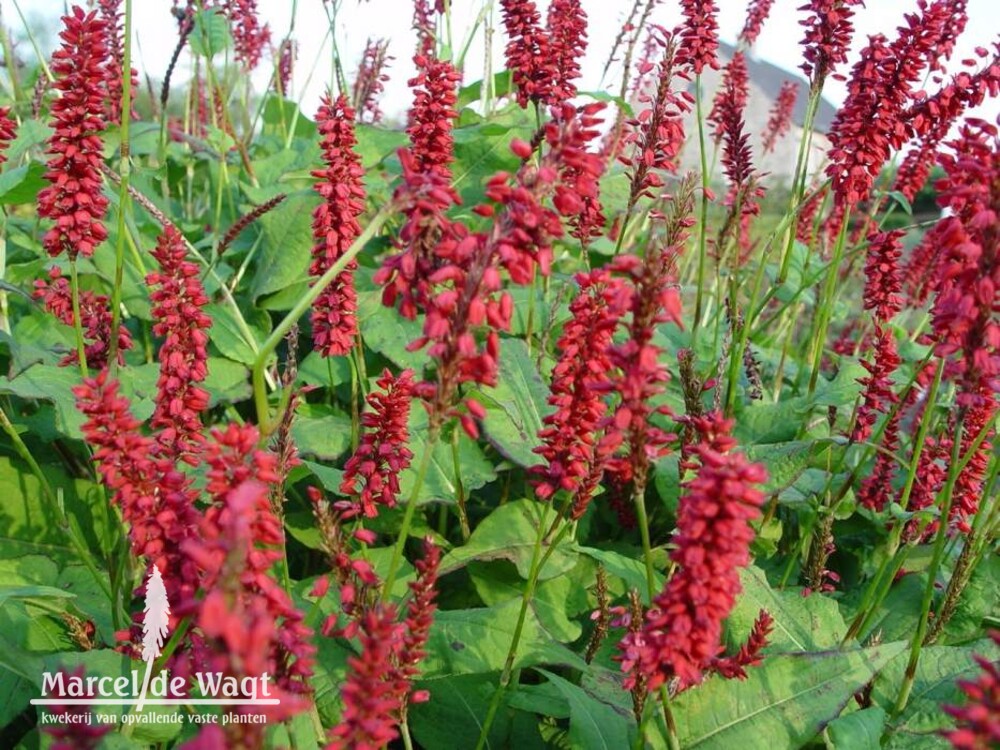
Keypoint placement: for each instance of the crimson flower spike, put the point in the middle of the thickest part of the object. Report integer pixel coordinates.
(111, 12)
(179, 316)
(757, 13)
(249, 36)
(335, 227)
(8, 130)
(681, 635)
(567, 29)
(74, 198)
(978, 719)
(382, 453)
(369, 82)
(829, 28)
(734, 90)
(529, 53)
(699, 36)
(780, 120)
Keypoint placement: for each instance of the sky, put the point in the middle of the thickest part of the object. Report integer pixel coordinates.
(155, 35)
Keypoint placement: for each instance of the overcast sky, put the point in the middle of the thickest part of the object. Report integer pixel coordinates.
(155, 31)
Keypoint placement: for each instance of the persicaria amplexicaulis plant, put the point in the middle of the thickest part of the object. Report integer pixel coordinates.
(541, 404)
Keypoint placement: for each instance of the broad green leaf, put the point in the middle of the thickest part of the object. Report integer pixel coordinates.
(934, 686)
(784, 702)
(321, 431)
(502, 84)
(475, 641)
(30, 133)
(285, 251)
(481, 150)
(632, 570)
(54, 384)
(593, 724)
(801, 623)
(21, 184)
(785, 462)
(329, 672)
(387, 332)
(278, 116)
(861, 730)
(509, 533)
(454, 714)
(376, 144)
(516, 406)
(229, 336)
(771, 423)
(210, 34)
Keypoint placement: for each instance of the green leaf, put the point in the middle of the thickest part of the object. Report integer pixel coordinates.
(516, 406)
(321, 431)
(482, 149)
(30, 133)
(785, 462)
(509, 533)
(283, 258)
(629, 569)
(474, 641)
(375, 144)
(502, 85)
(453, 716)
(800, 623)
(902, 201)
(54, 384)
(21, 184)
(387, 332)
(934, 686)
(592, 723)
(229, 338)
(861, 730)
(784, 702)
(210, 34)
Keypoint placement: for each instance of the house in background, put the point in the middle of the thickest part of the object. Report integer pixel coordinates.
(765, 83)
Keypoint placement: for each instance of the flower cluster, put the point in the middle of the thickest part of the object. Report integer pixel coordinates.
(288, 51)
(74, 198)
(335, 227)
(680, 637)
(750, 653)
(883, 279)
(780, 120)
(544, 61)
(699, 47)
(878, 392)
(249, 36)
(571, 439)
(369, 81)
(757, 13)
(8, 130)
(979, 719)
(382, 454)
(829, 29)
(734, 90)
(178, 311)
(111, 11)
(95, 319)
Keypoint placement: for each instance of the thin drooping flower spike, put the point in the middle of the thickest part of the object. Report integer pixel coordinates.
(74, 198)
(757, 13)
(382, 453)
(155, 499)
(699, 36)
(8, 130)
(868, 126)
(419, 619)
(829, 29)
(111, 12)
(656, 136)
(179, 316)
(733, 92)
(780, 120)
(580, 381)
(335, 227)
(878, 394)
(750, 653)
(250, 38)
(567, 29)
(682, 631)
(883, 276)
(932, 118)
(968, 492)
(978, 719)
(369, 81)
(876, 490)
(288, 51)
(239, 541)
(529, 53)
(249, 624)
(95, 316)
(425, 25)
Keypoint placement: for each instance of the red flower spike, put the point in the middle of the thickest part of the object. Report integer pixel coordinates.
(878, 394)
(335, 227)
(749, 655)
(249, 37)
(433, 114)
(699, 34)
(571, 436)
(179, 317)
(757, 13)
(829, 29)
(883, 281)
(111, 13)
(567, 30)
(968, 491)
(8, 131)
(780, 120)
(529, 52)
(733, 92)
(680, 637)
(419, 613)
(57, 297)
(74, 198)
(979, 719)
(382, 453)
(287, 54)
(369, 82)
(876, 491)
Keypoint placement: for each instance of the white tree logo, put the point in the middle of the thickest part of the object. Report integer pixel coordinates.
(155, 621)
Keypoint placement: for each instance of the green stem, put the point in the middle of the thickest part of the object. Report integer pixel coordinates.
(939, 546)
(264, 420)
(81, 349)
(463, 513)
(703, 213)
(124, 170)
(799, 180)
(818, 338)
